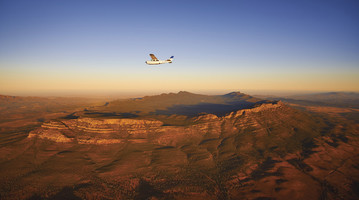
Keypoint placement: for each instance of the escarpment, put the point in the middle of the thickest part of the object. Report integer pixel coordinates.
(103, 131)
(259, 108)
(97, 131)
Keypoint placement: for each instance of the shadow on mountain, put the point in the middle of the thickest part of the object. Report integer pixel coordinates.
(262, 170)
(147, 191)
(192, 110)
(66, 193)
(341, 103)
(71, 116)
(209, 108)
(113, 114)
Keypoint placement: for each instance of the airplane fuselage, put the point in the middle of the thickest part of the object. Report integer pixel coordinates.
(157, 62)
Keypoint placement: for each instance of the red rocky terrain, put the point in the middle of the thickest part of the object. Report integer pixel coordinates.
(187, 146)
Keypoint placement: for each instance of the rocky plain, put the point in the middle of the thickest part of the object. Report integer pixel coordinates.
(178, 146)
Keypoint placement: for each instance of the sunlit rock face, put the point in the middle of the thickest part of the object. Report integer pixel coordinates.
(95, 131)
(106, 131)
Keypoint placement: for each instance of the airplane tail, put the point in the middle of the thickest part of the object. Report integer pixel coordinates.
(170, 59)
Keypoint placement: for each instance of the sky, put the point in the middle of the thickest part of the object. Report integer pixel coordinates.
(100, 47)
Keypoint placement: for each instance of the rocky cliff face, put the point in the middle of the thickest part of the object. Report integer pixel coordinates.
(105, 131)
(95, 131)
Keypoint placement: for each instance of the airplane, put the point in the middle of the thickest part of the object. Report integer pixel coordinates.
(155, 61)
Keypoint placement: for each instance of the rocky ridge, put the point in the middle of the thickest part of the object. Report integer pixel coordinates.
(94, 131)
(106, 131)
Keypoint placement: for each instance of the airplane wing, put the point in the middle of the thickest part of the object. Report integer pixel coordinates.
(153, 57)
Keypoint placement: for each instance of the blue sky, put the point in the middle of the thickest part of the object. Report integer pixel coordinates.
(219, 46)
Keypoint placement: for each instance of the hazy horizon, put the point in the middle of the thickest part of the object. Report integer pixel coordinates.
(138, 94)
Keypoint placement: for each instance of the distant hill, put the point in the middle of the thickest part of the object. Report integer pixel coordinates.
(7, 98)
(329, 96)
(20, 114)
(337, 99)
(181, 103)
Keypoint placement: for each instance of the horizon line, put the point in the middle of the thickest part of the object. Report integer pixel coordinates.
(137, 93)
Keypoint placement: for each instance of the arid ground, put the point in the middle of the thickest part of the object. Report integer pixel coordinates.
(179, 146)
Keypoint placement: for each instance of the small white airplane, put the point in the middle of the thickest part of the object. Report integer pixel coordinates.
(155, 61)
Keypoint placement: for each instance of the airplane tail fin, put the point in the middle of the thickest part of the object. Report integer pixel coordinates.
(170, 59)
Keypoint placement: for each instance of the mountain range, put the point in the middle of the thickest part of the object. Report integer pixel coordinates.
(182, 146)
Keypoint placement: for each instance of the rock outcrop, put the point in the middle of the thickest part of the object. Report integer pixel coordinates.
(94, 131)
(106, 131)
(260, 108)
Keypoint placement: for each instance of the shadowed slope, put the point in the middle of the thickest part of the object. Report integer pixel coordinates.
(182, 103)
